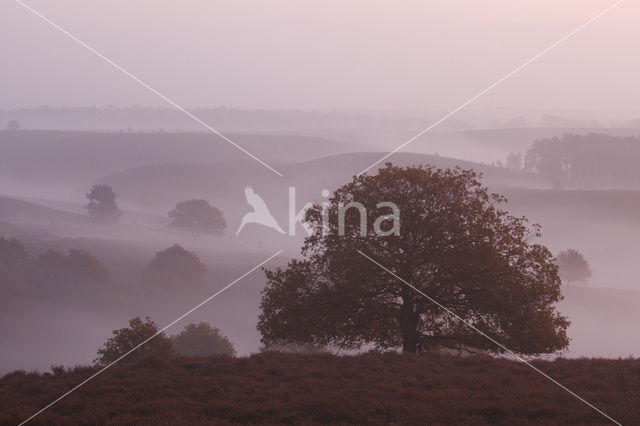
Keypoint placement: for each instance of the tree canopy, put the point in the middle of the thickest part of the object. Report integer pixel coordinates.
(175, 266)
(573, 266)
(15, 262)
(13, 125)
(202, 340)
(13, 255)
(455, 245)
(127, 338)
(102, 203)
(76, 267)
(197, 216)
(52, 274)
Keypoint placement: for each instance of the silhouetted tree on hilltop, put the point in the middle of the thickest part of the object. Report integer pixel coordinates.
(455, 245)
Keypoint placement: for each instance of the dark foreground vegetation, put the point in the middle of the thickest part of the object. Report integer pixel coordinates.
(425, 388)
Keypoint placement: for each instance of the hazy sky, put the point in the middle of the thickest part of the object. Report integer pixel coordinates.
(392, 55)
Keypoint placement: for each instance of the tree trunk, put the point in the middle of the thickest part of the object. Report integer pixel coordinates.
(410, 342)
(410, 335)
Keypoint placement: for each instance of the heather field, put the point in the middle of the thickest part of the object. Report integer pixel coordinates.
(277, 388)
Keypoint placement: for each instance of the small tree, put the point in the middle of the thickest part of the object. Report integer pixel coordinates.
(102, 204)
(202, 340)
(15, 264)
(197, 216)
(455, 245)
(515, 161)
(76, 275)
(175, 266)
(13, 255)
(77, 267)
(13, 125)
(87, 267)
(126, 339)
(573, 266)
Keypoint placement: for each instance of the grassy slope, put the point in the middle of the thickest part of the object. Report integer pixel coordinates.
(370, 388)
(39, 155)
(14, 209)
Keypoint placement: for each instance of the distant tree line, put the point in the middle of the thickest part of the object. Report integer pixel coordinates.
(586, 160)
(457, 246)
(51, 274)
(77, 274)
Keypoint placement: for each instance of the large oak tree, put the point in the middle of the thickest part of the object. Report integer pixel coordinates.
(455, 244)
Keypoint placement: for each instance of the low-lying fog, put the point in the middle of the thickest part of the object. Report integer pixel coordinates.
(45, 176)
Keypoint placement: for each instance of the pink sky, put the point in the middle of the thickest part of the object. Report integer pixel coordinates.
(409, 55)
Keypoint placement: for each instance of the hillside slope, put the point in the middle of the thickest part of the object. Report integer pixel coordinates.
(486, 145)
(18, 211)
(38, 162)
(159, 186)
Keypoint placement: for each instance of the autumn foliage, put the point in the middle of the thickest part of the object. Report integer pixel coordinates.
(141, 339)
(456, 246)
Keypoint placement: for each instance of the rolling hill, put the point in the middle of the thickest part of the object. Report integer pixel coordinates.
(159, 186)
(39, 163)
(24, 213)
(480, 145)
